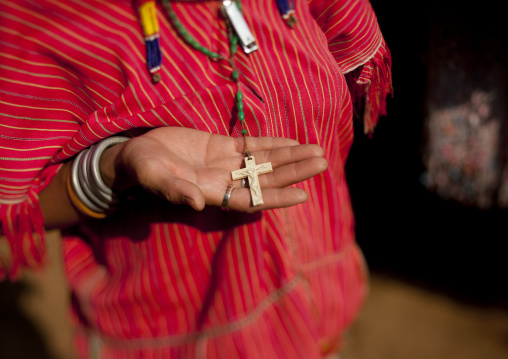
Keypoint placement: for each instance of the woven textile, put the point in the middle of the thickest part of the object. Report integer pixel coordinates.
(163, 280)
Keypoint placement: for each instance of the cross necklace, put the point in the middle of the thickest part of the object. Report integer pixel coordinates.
(252, 172)
(238, 33)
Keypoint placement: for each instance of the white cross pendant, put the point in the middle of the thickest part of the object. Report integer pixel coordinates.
(252, 171)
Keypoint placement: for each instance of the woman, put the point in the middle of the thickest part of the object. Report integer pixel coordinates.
(165, 271)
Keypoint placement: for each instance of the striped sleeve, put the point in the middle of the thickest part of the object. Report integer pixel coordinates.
(40, 111)
(356, 42)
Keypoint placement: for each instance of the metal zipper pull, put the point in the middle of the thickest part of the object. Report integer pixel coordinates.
(235, 17)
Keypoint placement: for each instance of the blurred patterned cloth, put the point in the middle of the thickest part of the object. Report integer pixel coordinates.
(464, 152)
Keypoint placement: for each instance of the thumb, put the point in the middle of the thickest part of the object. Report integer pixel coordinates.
(181, 191)
(173, 188)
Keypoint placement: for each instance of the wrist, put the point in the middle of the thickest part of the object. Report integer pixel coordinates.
(113, 169)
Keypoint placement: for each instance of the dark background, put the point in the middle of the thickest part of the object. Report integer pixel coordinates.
(404, 229)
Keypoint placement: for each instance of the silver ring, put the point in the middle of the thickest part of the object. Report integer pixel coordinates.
(225, 201)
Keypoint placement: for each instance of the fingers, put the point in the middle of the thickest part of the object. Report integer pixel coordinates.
(240, 199)
(290, 165)
(277, 156)
(285, 155)
(263, 143)
(293, 173)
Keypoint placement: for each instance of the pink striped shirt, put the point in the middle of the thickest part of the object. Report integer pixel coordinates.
(161, 280)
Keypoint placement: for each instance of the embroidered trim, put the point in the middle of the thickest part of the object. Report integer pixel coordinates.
(374, 53)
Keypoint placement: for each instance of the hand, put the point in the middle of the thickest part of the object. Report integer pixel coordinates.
(189, 166)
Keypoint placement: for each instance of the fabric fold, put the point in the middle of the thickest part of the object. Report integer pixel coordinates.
(22, 224)
(360, 52)
(369, 86)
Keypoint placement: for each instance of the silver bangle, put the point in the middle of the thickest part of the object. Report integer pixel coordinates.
(86, 180)
(76, 185)
(103, 196)
(85, 185)
(96, 154)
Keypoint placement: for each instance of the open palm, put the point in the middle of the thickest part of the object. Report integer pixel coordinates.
(194, 167)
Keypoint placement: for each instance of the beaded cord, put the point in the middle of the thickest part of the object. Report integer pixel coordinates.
(150, 26)
(287, 10)
(233, 47)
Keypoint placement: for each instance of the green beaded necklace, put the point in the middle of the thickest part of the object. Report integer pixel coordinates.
(233, 46)
(251, 171)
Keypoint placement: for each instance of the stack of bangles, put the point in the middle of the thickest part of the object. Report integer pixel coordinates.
(85, 186)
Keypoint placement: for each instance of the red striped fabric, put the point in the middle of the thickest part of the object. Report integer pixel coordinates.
(160, 280)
